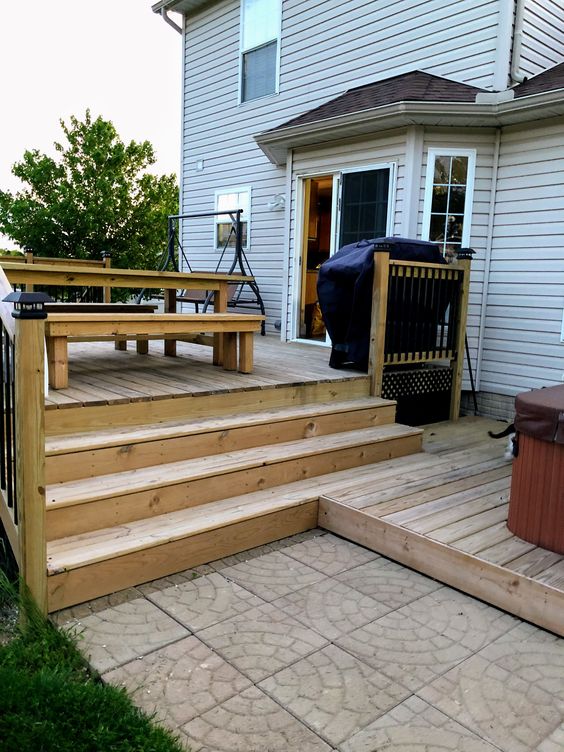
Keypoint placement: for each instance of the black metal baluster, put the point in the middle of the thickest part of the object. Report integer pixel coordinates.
(12, 383)
(3, 413)
(8, 422)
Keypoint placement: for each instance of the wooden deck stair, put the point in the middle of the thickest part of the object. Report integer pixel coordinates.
(131, 504)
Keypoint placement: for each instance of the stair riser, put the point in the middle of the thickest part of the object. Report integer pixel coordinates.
(102, 578)
(79, 419)
(98, 514)
(88, 464)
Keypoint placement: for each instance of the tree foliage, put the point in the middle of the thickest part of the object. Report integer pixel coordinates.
(96, 196)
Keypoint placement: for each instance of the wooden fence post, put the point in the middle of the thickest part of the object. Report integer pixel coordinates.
(464, 264)
(378, 321)
(30, 450)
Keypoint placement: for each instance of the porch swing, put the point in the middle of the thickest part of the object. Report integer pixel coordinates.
(237, 293)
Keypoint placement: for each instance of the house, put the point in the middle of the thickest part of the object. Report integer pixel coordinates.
(326, 122)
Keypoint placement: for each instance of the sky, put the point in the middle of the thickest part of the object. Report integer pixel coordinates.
(60, 57)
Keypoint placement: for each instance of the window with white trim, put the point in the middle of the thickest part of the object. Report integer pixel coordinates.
(229, 200)
(260, 40)
(449, 187)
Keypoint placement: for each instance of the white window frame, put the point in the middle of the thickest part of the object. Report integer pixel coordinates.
(242, 51)
(219, 220)
(432, 153)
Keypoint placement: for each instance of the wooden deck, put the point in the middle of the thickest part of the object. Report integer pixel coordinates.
(442, 511)
(444, 514)
(100, 375)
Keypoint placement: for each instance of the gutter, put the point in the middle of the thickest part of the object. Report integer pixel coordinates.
(167, 19)
(514, 72)
(491, 110)
(488, 258)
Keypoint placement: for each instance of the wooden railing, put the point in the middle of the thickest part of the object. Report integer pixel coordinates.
(83, 294)
(22, 446)
(419, 315)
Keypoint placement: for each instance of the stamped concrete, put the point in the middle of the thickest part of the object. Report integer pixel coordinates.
(314, 643)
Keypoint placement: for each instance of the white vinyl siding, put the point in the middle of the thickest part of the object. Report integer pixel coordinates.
(350, 44)
(542, 43)
(525, 302)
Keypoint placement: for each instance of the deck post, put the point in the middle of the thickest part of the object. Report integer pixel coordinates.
(30, 450)
(28, 260)
(107, 291)
(170, 307)
(463, 263)
(376, 355)
(219, 306)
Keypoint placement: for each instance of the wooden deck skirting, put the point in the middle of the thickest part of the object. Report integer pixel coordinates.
(444, 514)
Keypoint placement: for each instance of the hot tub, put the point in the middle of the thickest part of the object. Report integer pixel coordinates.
(536, 503)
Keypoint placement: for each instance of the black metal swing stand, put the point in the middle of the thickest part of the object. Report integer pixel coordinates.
(238, 264)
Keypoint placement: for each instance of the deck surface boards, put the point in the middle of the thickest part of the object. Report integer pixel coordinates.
(449, 519)
(99, 374)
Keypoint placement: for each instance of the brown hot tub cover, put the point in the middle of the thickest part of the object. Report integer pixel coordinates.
(536, 502)
(540, 414)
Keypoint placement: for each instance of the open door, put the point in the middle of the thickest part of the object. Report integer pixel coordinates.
(338, 209)
(317, 245)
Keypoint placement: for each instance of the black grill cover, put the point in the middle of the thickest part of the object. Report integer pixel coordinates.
(344, 289)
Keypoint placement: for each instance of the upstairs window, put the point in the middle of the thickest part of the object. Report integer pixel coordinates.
(260, 39)
(226, 200)
(447, 212)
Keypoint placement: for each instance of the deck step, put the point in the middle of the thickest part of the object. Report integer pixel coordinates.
(77, 456)
(71, 419)
(81, 506)
(88, 565)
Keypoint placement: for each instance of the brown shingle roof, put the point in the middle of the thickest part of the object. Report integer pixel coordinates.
(548, 80)
(416, 86)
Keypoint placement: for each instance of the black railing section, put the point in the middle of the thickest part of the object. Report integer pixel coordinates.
(232, 260)
(423, 309)
(67, 294)
(8, 424)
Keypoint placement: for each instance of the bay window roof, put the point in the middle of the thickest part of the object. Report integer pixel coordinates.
(415, 98)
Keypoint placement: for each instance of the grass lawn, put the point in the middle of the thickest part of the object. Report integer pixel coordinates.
(50, 700)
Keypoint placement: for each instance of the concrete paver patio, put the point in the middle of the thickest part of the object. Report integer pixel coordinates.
(314, 643)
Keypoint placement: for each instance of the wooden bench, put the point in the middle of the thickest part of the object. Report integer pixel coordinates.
(235, 328)
(120, 342)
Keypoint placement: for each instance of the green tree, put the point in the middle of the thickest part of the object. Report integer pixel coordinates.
(96, 196)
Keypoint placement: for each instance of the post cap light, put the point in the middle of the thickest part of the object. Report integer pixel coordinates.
(465, 253)
(28, 305)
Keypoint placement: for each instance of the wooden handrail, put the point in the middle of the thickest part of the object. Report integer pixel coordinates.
(30, 258)
(44, 274)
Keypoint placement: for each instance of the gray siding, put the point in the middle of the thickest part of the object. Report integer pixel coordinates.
(543, 36)
(349, 44)
(525, 302)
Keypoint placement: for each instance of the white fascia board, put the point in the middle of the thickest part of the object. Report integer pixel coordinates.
(275, 144)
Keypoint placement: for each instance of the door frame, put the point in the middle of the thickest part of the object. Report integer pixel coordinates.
(298, 270)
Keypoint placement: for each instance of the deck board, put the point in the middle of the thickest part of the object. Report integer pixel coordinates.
(99, 374)
(448, 518)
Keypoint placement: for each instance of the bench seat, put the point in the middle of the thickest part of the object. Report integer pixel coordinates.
(235, 329)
